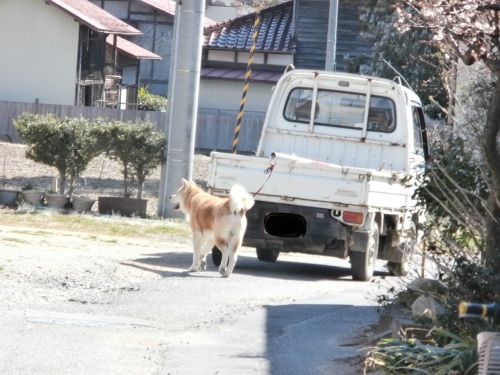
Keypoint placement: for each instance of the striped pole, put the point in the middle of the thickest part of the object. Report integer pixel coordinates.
(247, 77)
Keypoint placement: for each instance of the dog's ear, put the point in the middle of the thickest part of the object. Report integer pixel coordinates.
(184, 182)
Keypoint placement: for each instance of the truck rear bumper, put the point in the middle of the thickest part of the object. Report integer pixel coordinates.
(291, 228)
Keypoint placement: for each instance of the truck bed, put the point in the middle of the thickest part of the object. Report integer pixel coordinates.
(309, 183)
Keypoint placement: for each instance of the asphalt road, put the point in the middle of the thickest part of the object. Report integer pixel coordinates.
(90, 304)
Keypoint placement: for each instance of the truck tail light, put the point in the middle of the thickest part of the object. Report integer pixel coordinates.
(352, 217)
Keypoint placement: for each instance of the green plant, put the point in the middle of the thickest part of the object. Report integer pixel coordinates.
(453, 192)
(410, 54)
(67, 144)
(470, 36)
(151, 102)
(27, 186)
(139, 148)
(413, 357)
(452, 341)
(469, 281)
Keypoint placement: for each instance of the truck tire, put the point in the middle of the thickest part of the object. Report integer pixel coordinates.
(216, 256)
(267, 255)
(363, 262)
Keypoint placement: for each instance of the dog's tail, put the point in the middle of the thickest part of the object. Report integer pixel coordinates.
(239, 199)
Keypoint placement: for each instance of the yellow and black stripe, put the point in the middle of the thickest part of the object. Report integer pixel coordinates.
(247, 77)
(466, 309)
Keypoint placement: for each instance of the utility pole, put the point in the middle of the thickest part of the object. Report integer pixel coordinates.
(183, 88)
(331, 44)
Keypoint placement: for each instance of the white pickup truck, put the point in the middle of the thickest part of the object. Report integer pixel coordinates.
(334, 172)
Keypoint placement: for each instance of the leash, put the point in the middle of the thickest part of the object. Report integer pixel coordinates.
(268, 171)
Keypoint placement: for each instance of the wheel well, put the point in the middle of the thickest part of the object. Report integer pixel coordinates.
(385, 222)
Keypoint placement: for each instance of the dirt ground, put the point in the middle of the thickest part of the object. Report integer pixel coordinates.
(102, 177)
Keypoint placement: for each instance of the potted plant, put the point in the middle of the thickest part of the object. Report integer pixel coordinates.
(139, 149)
(81, 203)
(67, 144)
(56, 200)
(31, 195)
(8, 197)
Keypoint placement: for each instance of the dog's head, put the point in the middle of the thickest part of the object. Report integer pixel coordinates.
(179, 200)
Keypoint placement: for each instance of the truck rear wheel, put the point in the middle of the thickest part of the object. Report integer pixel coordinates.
(363, 262)
(267, 255)
(216, 256)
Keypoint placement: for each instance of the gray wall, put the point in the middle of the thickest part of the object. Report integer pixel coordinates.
(157, 29)
(215, 128)
(311, 25)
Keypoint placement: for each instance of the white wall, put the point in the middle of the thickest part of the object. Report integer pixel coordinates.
(221, 13)
(226, 95)
(38, 53)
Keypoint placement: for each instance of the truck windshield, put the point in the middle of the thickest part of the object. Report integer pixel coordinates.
(340, 109)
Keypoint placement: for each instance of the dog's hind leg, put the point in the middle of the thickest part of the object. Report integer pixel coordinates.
(232, 254)
(205, 249)
(232, 262)
(233, 257)
(222, 245)
(224, 261)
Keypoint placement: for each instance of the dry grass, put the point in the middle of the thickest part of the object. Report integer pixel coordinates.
(49, 220)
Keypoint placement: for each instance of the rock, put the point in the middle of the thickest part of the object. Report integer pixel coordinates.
(427, 286)
(427, 306)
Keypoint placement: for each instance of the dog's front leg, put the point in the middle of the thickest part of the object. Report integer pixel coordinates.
(197, 252)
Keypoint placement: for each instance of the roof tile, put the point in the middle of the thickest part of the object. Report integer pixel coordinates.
(275, 31)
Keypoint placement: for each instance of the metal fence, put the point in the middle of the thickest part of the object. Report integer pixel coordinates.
(215, 128)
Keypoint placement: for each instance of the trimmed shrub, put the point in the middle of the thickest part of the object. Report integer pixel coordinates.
(67, 144)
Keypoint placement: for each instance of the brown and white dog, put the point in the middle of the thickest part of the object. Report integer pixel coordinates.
(214, 221)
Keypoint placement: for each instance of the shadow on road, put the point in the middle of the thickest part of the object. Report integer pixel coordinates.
(284, 269)
(325, 335)
(317, 338)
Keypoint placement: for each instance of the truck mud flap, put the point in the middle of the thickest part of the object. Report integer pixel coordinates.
(360, 241)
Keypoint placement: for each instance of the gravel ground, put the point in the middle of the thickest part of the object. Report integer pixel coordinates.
(88, 274)
(73, 299)
(102, 177)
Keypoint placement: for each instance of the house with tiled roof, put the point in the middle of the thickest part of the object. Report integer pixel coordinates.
(291, 33)
(155, 20)
(65, 53)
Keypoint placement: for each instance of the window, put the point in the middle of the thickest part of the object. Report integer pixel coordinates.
(419, 131)
(299, 104)
(341, 109)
